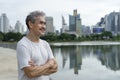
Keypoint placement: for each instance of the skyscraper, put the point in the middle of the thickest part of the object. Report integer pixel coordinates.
(1, 30)
(65, 28)
(112, 22)
(49, 25)
(19, 27)
(4, 23)
(75, 23)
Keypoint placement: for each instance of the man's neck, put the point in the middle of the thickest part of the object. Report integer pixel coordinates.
(33, 37)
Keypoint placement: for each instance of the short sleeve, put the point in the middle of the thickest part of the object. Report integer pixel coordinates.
(23, 56)
(49, 51)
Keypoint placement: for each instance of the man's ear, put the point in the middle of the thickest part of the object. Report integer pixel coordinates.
(30, 24)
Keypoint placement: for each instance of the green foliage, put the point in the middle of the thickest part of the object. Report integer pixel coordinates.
(66, 37)
(106, 35)
(61, 37)
(50, 37)
(1, 36)
(11, 36)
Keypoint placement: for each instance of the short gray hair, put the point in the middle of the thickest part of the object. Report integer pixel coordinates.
(32, 15)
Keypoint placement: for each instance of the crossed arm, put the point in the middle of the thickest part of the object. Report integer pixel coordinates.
(46, 69)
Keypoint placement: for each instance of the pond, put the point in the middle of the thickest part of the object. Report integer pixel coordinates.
(87, 62)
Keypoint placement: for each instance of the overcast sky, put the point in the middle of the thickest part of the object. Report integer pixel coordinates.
(90, 10)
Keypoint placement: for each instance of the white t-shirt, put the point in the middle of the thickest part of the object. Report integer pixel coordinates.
(40, 53)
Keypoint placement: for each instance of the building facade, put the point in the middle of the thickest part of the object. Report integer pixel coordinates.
(75, 23)
(112, 23)
(19, 27)
(4, 23)
(65, 27)
(49, 25)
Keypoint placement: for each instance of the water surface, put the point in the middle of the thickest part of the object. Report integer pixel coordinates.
(87, 62)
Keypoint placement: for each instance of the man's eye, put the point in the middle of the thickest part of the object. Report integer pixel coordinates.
(42, 22)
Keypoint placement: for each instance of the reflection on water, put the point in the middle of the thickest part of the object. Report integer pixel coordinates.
(75, 59)
(87, 62)
(109, 56)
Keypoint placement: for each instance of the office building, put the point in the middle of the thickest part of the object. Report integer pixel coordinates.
(75, 23)
(4, 23)
(49, 25)
(19, 27)
(112, 23)
(65, 28)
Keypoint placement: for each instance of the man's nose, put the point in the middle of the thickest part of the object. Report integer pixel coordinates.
(44, 27)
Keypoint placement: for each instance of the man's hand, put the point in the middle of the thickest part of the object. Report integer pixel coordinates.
(31, 62)
(51, 63)
(53, 67)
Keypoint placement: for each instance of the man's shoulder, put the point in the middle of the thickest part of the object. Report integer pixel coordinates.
(23, 41)
(44, 42)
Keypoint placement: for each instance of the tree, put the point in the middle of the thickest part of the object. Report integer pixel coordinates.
(11, 36)
(66, 37)
(1, 36)
(106, 35)
(50, 37)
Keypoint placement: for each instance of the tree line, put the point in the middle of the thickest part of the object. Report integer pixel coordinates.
(10, 36)
(52, 37)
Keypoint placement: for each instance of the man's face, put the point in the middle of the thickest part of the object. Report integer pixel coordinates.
(39, 26)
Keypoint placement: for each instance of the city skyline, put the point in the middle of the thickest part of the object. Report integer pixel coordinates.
(90, 11)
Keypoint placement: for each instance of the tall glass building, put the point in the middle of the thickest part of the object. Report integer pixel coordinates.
(75, 22)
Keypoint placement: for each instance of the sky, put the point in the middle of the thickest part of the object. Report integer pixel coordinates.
(90, 10)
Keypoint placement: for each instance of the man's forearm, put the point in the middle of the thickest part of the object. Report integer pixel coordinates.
(35, 71)
(51, 70)
(46, 69)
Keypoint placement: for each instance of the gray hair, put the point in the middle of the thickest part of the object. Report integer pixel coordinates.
(32, 15)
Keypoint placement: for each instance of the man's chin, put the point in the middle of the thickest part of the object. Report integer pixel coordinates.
(42, 34)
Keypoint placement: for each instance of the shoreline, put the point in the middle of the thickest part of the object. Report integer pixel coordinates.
(85, 43)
